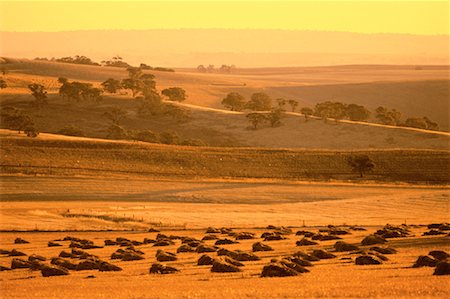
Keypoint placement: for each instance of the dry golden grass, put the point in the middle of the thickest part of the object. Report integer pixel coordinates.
(328, 278)
(68, 157)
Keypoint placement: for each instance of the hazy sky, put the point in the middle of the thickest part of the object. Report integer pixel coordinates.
(413, 17)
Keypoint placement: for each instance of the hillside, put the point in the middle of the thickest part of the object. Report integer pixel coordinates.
(415, 93)
(56, 155)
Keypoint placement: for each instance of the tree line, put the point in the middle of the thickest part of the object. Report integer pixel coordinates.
(115, 61)
(265, 112)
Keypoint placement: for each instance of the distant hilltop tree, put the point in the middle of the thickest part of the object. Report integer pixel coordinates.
(77, 59)
(176, 94)
(234, 101)
(116, 61)
(224, 68)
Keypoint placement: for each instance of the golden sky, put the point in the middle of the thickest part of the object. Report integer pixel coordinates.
(413, 17)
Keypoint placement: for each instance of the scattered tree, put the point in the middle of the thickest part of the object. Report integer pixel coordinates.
(357, 112)
(3, 84)
(388, 117)
(14, 119)
(175, 94)
(281, 103)
(31, 131)
(115, 115)
(293, 104)
(329, 109)
(234, 101)
(259, 101)
(360, 164)
(307, 112)
(39, 93)
(201, 68)
(256, 118)
(274, 117)
(111, 85)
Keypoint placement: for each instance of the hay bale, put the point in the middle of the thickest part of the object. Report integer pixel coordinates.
(223, 267)
(15, 252)
(110, 243)
(20, 241)
(3, 268)
(372, 240)
(294, 266)
(35, 257)
(225, 242)
(277, 270)
(383, 250)
(305, 242)
(322, 254)
(425, 261)
(209, 237)
(258, 246)
(204, 248)
(4, 251)
(341, 246)
(131, 256)
(366, 260)
(158, 268)
(245, 236)
(439, 255)
(48, 271)
(163, 256)
(161, 243)
(185, 248)
(299, 261)
(205, 260)
(20, 264)
(212, 230)
(53, 244)
(87, 265)
(442, 268)
(305, 256)
(63, 263)
(107, 267)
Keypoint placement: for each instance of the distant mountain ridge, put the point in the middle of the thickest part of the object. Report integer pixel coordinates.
(242, 47)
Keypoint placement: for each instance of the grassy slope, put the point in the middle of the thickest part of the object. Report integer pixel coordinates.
(216, 127)
(413, 92)
(62, 156)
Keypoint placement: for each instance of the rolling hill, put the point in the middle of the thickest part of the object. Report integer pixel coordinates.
(405, 86)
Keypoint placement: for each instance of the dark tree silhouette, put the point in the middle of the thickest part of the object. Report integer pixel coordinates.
(259, 101)
(177, 94)
(111, 85)
(307, 112)
(234, 101)
(361, 164)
